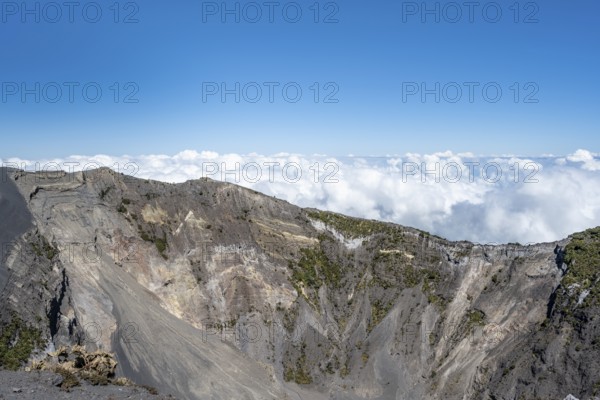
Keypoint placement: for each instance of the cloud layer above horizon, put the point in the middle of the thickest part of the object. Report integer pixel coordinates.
(457, 196)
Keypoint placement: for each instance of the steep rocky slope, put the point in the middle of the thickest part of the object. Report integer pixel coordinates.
(209, 290)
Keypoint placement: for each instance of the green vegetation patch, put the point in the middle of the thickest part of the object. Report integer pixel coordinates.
(353, 228)
(378, 312)
(160, 243)
(124, 202)
(300, 374)
(582, 256)
(411, 277)
(350, 227)
(475, 318)
(314, 269)
(431, 281)
(45, 249)
(17, 342)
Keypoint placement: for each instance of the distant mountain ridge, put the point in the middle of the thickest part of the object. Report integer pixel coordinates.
(208, 290)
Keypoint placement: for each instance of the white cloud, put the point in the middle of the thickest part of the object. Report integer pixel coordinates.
(588, 159)
(458, 196)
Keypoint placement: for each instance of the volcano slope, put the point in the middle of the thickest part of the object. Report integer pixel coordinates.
(207, 290)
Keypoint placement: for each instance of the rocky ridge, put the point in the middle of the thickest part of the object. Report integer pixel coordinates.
(209, 290)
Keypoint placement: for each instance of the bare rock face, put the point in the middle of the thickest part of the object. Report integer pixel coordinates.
(208, 290)
(15, 217)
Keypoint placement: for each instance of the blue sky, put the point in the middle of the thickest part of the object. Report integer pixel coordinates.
(371, 61)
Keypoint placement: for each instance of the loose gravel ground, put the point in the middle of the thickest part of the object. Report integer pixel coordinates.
(44, 386)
